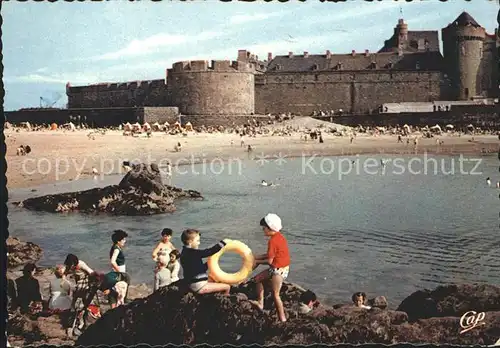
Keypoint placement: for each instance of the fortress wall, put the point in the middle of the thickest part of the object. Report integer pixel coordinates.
(159, 114)
(359, 92)
(459, 116)
(224, 88)
(227, 120)
(130, 94)
(94, 117)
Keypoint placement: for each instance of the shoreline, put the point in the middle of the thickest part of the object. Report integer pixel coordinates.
(70, 156)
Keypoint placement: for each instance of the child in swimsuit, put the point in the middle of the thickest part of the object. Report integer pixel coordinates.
(174, 265)
(195, 271)
(165, 246)
(278, 258)
(359, 300)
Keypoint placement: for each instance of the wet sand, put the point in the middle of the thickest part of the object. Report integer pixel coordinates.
(64, 155)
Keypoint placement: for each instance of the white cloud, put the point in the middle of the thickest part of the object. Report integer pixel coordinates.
(245, 18)
(77, 78)
(155, 43)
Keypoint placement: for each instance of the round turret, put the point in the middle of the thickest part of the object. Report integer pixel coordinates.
(401, 31)
(463, 42)
(224, 88)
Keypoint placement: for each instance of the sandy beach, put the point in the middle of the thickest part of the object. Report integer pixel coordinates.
(64, 155)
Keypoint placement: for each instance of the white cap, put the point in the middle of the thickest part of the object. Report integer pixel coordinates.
(273, 221)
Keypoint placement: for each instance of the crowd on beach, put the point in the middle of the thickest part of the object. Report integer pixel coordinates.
(168, 261)
(283, 126)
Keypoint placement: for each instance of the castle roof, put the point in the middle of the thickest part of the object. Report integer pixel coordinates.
(429, 36)
(432, 60)
(464, 20)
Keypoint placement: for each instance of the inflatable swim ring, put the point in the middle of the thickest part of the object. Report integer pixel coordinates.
(218, 275)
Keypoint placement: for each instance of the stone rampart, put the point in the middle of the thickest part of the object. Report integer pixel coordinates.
(351, 91)
(127, 94)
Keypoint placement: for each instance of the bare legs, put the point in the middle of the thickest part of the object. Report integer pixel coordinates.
(215, 287)
(276, 283)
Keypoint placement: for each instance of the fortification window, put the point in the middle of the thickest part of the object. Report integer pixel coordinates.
(315, 67)
(338, 66)
(417, 65)
(480, 52)
(278, 67)
(414, 44)
(373, 65)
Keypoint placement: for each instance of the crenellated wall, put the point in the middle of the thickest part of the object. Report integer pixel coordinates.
(127, 94)
(222, 88)
(351, 91)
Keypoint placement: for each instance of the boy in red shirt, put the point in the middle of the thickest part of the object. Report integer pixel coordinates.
(278, 258)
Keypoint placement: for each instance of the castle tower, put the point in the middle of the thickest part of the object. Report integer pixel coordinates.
(401, 34)
(222, 88)
(463, 43)
(498, 54)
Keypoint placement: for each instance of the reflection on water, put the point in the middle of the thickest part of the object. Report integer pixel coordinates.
(379, 233)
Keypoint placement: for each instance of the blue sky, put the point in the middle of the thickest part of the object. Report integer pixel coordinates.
(49, 44)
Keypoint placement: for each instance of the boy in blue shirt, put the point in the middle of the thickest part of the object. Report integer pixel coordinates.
(195, 271)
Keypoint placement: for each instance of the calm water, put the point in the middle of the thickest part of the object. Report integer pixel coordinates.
(386, 234)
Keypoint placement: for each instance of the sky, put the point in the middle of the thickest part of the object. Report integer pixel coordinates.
(46, 45)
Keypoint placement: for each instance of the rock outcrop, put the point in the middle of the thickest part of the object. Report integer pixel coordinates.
(174, 315)
(140, 192)
(20, 253)
(451, 301)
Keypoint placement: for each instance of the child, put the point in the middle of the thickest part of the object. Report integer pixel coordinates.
(195, 271)
(307, 301)
(114, 282)
(80, 272)
(359, 300)
(174, 266)
(116, 255)
(165, 245)
(162, 273)
(117, 258)
(278, 258)
(28, 289)
(60, 291)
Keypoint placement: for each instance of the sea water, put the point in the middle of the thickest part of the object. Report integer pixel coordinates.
(386, 229)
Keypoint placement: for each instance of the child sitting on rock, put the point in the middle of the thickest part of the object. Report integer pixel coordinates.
(60, 291)
(307, 301)
(195, 271)
(174, 265)
(278, 258)
(115, 282)
(28, 290)
(162, 273)
(359, 300)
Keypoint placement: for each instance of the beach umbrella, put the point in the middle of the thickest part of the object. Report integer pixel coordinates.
(470, 126)
(450, 126)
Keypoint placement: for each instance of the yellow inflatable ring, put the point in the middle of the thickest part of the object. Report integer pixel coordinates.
(217, 274)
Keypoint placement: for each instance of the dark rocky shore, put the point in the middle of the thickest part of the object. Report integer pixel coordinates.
(140, 192)
(175, 315)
